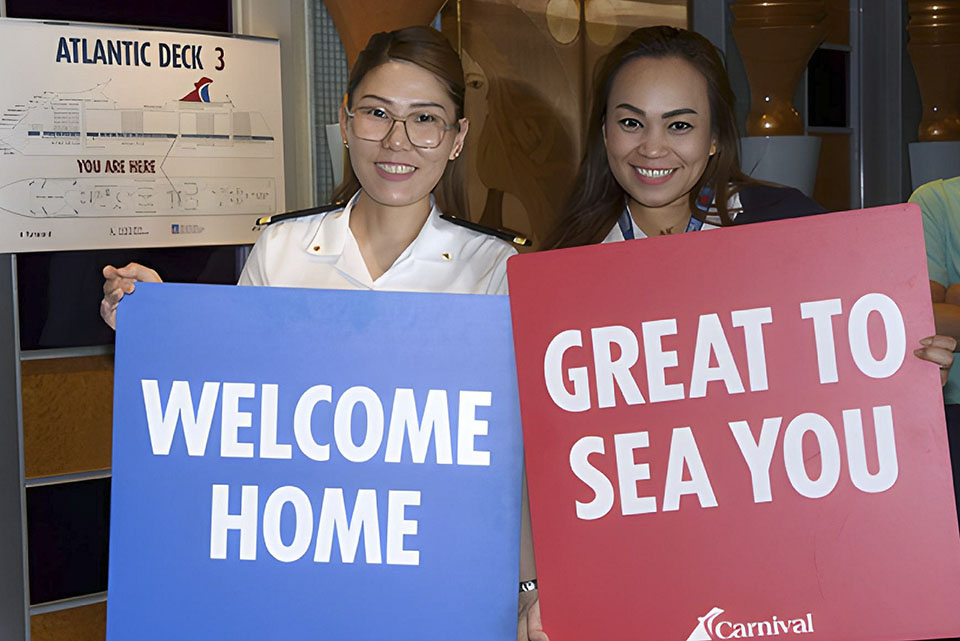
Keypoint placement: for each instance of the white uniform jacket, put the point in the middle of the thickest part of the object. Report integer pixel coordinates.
(320, 251)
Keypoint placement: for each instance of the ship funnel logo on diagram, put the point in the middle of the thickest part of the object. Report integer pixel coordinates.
(201, 91)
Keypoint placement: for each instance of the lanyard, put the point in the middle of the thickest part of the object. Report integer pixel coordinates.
(626, 225)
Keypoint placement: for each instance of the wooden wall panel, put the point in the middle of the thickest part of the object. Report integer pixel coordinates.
(838, 22)
(832, 189)
(86, 623)
(67, 415)
(68, 527)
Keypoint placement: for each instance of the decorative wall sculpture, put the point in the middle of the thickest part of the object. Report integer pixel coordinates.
(529, 67)
(357, 20)
(776, 40)
(934, 49)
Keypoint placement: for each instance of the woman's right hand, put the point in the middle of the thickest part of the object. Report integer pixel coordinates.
(119, 281)
(529, 627)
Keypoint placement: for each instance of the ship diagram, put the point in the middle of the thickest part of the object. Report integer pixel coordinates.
(90, 125)
(100, 197)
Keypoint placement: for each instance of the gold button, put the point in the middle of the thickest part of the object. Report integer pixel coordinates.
(316, 248)
(446, 255)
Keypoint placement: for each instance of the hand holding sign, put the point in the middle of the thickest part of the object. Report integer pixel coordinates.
(939, 350)
(120, 281)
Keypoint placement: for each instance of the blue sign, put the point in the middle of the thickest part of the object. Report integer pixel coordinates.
(309, 464)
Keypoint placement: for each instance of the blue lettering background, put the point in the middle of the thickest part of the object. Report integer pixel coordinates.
(163, 584)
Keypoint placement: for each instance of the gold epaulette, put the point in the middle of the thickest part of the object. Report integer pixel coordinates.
(509, 236)
(276, 218)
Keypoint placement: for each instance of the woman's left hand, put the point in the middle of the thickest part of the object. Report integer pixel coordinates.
(938, 349)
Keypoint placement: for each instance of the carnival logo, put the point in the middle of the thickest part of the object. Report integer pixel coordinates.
(709, 628)
(201, 91)
(704, 629)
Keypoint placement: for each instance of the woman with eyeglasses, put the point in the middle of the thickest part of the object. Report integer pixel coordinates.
(402, 123)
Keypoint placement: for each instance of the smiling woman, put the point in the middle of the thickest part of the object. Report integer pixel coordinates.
(662, 152)
(403, 116)
(662, 157)
(400, 145)
(402, 122)
(659, 143)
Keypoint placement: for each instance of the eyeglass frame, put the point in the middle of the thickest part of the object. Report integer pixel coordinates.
(394, 120)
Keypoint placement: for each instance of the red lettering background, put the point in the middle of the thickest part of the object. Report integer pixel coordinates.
(880, 566)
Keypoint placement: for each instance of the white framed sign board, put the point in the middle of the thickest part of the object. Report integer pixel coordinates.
(116, 137)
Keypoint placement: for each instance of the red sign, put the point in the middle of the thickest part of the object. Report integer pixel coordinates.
(728, 436)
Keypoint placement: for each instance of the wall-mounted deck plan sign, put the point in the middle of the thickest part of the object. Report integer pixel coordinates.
(730, 434)
(113, 137)
(311, 464)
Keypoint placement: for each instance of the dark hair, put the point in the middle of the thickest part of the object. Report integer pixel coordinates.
(598, 199)
(428, 49)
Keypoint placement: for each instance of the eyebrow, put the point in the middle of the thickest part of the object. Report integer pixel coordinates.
(669, 114)
(416, 105)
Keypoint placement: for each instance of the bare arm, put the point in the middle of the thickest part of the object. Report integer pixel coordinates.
(529, 627)
(946, 314)
(946, 308)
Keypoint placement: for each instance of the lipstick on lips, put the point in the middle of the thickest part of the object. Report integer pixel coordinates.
(395, 171)
(654, 176)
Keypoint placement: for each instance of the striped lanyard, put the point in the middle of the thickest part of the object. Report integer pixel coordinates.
(626, 224)
(704, 202)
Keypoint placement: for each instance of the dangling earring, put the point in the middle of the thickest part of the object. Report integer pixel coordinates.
(346, 144)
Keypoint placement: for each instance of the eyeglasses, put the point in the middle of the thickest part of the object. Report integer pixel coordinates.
(423, 129)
